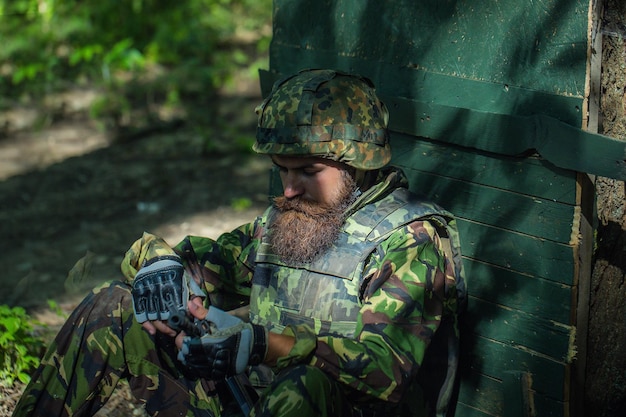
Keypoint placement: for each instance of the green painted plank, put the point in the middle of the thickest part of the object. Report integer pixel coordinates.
(496, 359)
(542, 218)
(481, 395)
(465, 410)
(481, 392)
(522, 401)
(480, 41)
(526, 175)
(550, 408)
(518, 291)
(516, 395)
(519, 329)
(521, 253)
(563, 145)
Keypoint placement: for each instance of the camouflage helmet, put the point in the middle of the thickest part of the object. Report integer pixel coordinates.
(325, 113)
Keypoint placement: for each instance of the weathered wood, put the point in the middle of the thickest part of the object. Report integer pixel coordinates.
(481, 392)
(406, 82)
(563, 145)
(583, 260)
(465, 410)
(516, 328)
(484, 396)
(594, 60)
(525, 175)
(518, 398)
(501, 208)
(478, 41)
(495, 359)
(517, 252)
(519, 291)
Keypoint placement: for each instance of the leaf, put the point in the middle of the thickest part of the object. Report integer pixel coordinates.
(11, 324)
(23, 377)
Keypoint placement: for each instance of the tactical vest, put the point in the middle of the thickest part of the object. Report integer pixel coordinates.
(326, 293)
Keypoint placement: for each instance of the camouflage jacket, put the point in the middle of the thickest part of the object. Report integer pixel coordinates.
(324, 294)
(406, 286)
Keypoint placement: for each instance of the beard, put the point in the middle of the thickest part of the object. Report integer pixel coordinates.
(303, 230)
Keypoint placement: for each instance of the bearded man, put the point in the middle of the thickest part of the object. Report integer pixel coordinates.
(344, 294)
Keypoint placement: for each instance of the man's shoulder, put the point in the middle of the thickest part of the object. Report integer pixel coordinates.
(402, 201)
(391, 212)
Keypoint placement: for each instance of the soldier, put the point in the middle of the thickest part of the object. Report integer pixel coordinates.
(350, 288)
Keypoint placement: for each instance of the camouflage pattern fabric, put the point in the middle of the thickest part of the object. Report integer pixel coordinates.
(325, 293)
(410, 293)
(325, 113)
(305, 391)
(393, 275)
(102, 343)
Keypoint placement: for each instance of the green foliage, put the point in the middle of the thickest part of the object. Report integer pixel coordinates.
(19, 346)
(138, 52)
(241, 204)
(56, 309)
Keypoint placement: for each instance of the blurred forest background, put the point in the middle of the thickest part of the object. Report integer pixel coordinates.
(116, 117)
(123, 116)
(155, 60)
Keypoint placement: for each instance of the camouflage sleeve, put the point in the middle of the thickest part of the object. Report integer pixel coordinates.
(219, 265)
(148, 246)
(405, 293)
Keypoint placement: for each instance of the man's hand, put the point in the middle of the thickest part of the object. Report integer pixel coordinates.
(227, 350)
(158, 290)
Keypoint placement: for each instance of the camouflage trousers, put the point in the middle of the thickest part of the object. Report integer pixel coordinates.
(101, 343)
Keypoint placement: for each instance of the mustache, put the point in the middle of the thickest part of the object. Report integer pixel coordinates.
(300, 205)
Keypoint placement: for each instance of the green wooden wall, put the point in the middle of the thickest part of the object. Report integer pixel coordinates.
(475, 89)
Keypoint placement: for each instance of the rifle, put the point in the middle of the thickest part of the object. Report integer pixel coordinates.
(239, 386)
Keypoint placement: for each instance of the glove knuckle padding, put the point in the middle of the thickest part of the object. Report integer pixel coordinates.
(158, 289)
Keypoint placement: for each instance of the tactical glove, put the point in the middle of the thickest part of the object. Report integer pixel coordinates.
(227, 350)
(159, 289)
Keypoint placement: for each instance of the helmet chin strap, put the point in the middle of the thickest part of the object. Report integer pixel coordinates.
(364, 179)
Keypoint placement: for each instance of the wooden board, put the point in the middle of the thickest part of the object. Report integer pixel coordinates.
(521, 173)
(483, 42)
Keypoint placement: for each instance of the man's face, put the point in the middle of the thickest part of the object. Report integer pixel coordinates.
(313, 179)
(312, 208)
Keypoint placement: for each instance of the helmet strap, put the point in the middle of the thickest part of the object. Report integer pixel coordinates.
(364, 179)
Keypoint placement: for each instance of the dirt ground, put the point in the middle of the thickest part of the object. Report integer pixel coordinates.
(69, 193)
(72, 200)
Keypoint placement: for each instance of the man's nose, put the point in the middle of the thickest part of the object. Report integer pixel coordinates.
(292, 186)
